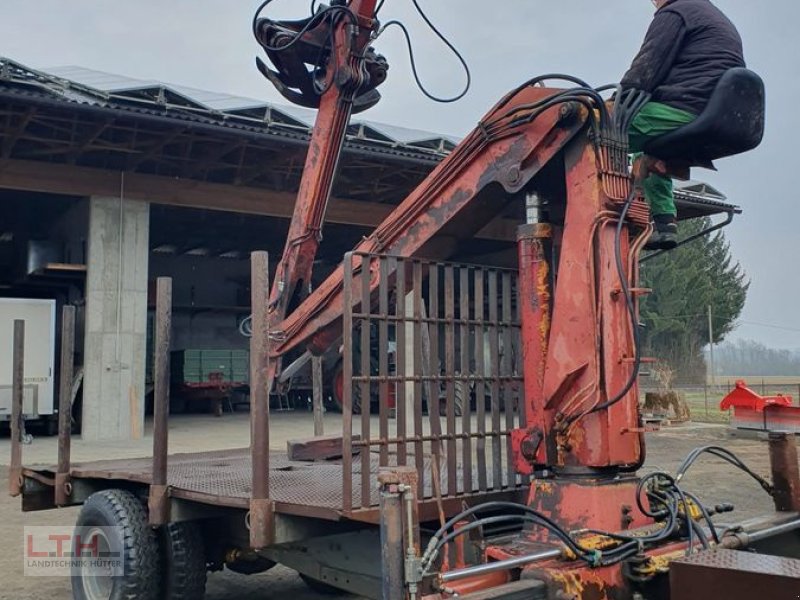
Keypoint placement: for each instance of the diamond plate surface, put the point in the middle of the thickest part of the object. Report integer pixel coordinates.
(735, 575)
(225, 477)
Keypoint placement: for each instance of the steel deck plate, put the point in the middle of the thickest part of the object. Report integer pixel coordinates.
(223, 478)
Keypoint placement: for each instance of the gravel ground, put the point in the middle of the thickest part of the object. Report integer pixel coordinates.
(713, 482)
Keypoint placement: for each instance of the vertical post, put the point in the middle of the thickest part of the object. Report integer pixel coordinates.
(391, 526)
(347, 386)
(17, 374)
(785, 471)
(63, 486)
(159, 495)
(711, 346)
(316, 384)
(261, 534)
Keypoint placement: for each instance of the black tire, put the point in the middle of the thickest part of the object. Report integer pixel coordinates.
(184, 561)
(319, 587)
(338, 389)
(458, 401)
(142, 573)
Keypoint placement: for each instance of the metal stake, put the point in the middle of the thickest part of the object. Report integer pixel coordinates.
(63, 486)
(785, 471)
(392, 551)
(159, 493)
(261, 510)
(18, 373)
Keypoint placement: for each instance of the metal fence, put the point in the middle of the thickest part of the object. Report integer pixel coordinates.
(432, 350)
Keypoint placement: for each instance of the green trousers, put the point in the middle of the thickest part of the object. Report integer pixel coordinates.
(654, 120)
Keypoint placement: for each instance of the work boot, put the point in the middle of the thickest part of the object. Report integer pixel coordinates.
(665, 236)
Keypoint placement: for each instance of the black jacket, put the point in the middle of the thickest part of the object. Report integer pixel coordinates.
(688, 47)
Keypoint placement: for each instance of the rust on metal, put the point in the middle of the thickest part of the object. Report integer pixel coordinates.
(734, 575)
(17, 383)
(785, 472)
(158, 505)
(462, 382)
(159, 493)
(365, 370)
(383, 360)
(450, 193)
(347, 388)
(261, 521)
(65, 404)
(325, 147)
(391, 535)
(534, 302)
(441, 320)
(401, 314)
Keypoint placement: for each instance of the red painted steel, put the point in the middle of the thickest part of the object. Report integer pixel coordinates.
(462, 191)
(325, 148)
(743, 397)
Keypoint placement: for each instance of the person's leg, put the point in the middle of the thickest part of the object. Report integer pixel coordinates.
(653, 121)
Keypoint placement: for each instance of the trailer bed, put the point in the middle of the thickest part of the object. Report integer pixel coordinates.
(223, 479)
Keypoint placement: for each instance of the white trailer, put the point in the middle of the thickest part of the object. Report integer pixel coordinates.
(40, 343)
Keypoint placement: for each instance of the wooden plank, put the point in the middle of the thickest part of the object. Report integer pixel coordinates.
(323, 447)
(35, 176)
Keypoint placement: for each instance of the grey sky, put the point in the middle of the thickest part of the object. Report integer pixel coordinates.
(207, 44)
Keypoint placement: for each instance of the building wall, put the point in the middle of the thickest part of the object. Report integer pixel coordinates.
(116, 319)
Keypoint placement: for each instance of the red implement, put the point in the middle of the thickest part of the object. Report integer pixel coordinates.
(743, 397)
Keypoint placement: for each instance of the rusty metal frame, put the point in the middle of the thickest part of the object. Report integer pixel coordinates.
(63, 487)
(261, 517)
(785, 471)
(456, 317)
(158, 502)
(17, 383)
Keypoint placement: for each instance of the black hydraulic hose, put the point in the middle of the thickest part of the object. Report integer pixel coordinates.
(556, 77)
(574, 93)
(706, 517)
(313, 22)
(537, 80)
(623, 278)
(415, 71)
(725, 455)
(500, 505)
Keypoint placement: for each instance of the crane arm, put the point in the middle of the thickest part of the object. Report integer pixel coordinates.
(323, 62)
(513, 143)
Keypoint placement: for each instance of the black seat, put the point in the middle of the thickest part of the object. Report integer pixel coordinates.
(732, 123)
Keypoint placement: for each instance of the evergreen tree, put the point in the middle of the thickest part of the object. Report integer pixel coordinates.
(685, 283)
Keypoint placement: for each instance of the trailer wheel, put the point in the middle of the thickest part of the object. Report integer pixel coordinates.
(183, 553)
(320, 587)
(338, 392)
(139, 546)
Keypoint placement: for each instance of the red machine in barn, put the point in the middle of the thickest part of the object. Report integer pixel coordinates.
(530, 489)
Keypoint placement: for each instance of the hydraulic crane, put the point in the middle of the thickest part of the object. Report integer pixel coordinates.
(563, 154)
(539, 494)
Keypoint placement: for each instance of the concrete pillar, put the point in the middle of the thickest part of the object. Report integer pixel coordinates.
(116, 319)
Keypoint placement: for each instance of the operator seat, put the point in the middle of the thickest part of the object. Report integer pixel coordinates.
(732, 123)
